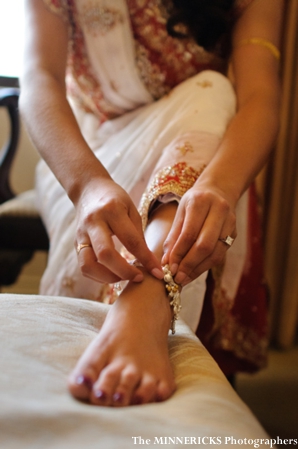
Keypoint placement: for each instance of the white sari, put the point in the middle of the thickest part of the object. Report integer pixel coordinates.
(147, 136)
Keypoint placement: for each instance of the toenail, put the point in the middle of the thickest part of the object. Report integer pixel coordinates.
(100, 395)
(86, 381)
(118, 397)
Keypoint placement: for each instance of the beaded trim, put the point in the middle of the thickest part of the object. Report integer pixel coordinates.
(173, 291)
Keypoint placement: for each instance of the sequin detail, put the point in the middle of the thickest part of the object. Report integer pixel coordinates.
(163, 61)
(176, 179)
(186, 147)
(99, 20)
(204, 84)
(58, 7)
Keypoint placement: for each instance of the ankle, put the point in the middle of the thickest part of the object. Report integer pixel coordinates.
(148, 297)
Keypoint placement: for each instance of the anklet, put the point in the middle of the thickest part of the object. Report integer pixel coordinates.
(173, 291)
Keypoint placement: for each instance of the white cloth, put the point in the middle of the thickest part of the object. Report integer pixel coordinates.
(132, 147)
(41, 340)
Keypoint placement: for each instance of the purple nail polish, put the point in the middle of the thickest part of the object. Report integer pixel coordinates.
(86, 381)
(100, 395)
(118, 397)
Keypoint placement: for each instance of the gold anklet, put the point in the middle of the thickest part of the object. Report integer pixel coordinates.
(173, 291)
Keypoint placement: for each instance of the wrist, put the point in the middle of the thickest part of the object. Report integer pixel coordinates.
(225, 186)
(86, 183)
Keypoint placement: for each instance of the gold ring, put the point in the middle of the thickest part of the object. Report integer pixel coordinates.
(83, 245)
(228, 240)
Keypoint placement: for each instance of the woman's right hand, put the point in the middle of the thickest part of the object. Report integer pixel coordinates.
(105, 210)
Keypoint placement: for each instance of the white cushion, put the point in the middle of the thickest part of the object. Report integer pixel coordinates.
(22, 204)
(41, 340)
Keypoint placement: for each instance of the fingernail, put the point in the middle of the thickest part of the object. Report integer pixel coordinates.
(164, 259)
(100, 395)
(139, 277)
(118, 397)
(174, 268)
(86, 381)
(156, 272)
(180, 277)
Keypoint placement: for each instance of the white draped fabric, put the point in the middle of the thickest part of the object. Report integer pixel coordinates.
(41, 340)
(132, 147)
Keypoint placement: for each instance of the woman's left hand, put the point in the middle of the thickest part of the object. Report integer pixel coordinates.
(205, 215)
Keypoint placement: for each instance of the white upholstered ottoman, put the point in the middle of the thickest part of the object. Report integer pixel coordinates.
(41, 340)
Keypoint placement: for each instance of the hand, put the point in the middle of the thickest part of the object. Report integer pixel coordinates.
(106, 210)
(192, 247)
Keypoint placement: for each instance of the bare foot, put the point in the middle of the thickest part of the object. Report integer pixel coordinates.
(128, 362)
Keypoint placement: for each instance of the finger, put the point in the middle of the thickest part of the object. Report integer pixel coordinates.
(107, 256)
(207, 251)
(89, 265)
(215, 224)
(172, 237)
(191, 228)
(92, 269)
(135, 243)
(215, 259)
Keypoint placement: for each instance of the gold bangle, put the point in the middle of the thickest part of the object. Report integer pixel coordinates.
(262, 42)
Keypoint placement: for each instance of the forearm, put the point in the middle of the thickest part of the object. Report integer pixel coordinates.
(54, 131)
(245, 147)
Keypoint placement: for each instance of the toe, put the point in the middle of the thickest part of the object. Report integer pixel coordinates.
(147, 390)
(86, 372)
(165, 390)
(129, 381)
(105, 387)
(80, 383)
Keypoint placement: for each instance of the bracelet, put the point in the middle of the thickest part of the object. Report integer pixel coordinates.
(262, 42)
(173, 291)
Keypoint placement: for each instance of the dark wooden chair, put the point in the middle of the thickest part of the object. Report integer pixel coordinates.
(21, 229)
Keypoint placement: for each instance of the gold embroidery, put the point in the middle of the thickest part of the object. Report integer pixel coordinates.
(150, 73)
(205, 84)
(176, 179)
(68, 283)
(100, 20)
(185, 148)
(162, 60)
(58, 7)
